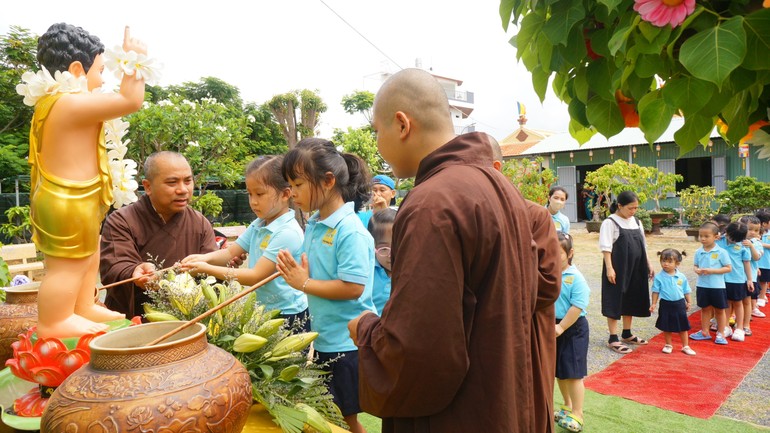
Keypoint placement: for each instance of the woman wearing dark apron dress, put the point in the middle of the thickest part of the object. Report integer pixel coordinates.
(626, 271)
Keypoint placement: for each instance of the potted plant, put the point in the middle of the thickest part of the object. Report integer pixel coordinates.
(610, 180)
(698, 206)
(665, 184)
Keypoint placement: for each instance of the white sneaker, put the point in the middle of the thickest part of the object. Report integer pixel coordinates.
(738, 335)
(688, 351)
(761, 302)
(728, 332)
(756, 313)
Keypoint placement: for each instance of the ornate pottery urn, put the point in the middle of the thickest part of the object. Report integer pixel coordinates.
(17, 314)
(183, 384)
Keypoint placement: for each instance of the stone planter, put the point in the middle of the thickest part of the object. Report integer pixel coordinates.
(181, 385)
(17, 314)
(692, 231)
(657, 218)
(593, 226)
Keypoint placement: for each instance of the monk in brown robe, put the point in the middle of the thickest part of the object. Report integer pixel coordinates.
(160, 226)
(548, 288)
(452, 351)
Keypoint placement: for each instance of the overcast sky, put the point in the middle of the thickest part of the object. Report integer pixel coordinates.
(270, 47)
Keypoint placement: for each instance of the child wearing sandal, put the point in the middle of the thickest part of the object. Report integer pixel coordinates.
(671, 287)
(764, 261)
(571, 339)
(738, 281)
(711, 264)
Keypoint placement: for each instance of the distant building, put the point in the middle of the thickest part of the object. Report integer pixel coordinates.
(711, 165)
(521, 139)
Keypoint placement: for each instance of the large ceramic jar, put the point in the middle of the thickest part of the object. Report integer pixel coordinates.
(183, 384)
(17, 315)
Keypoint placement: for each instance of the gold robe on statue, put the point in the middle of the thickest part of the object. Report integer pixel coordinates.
(65, 214)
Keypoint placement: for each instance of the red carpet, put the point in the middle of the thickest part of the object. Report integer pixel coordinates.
(693, 385)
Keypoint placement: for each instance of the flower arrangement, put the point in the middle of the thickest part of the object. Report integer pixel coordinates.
(622, 63)
(289, 386)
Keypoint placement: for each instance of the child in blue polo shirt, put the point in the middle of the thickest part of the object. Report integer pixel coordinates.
(571, 338)
(711, 264)
(738, 281)
(336, 267)
(674, 292)
(754, 244)
(274, 229)
(381, 228)
(764, 261)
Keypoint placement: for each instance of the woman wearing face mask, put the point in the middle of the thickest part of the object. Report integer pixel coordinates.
(557, 198)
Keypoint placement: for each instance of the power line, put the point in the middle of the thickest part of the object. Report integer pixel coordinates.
(361, 34)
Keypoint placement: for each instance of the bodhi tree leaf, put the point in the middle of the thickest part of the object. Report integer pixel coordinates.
(540, 82)
(599, 79)
(580, 132)
(654, 116)
(562, 20)
(713, 53)
(694, 129)
(610, 4)
(605, 116)
(687, 93)
(757, 26)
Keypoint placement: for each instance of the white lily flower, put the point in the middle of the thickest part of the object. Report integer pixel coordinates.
(124, 184)
(115, 130)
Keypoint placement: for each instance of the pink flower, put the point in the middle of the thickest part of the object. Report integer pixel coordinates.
(662, 12)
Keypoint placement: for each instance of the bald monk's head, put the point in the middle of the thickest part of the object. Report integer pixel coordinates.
(497, 153)
(411, 118)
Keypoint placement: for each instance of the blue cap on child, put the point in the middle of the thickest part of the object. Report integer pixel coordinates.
(381, 179)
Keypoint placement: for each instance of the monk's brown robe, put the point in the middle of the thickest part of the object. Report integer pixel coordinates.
(544, 319)
(453, 351)
(135, 234)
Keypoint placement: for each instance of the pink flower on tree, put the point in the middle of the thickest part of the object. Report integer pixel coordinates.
(662, 12)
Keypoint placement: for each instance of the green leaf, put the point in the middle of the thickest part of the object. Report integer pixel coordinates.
(713, 54)
(506, 9)
(654, 46)
(717, 101)
(562, 19)
(540, 82)
(267, 371)
(605, 116)
(600, 40)
(618, 39)
(581, 85)
(544, 52)
(529, 30)
(649, 31)
(654, 116)
(575, 52)
(610, 4)
(736, 115)
(688, 93)
(757, 26)
(647, 65)
(599, 78)
(577, 112)
(580, 132)
(694, 129)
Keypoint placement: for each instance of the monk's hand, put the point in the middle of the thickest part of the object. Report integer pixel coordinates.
(353, 326)
(133, 44)
(144, 273)
(295, 274)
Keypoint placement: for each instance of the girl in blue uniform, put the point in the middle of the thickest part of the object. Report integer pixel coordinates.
(336, 269)
(671, 287)
(571, 339)
(274, 229)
